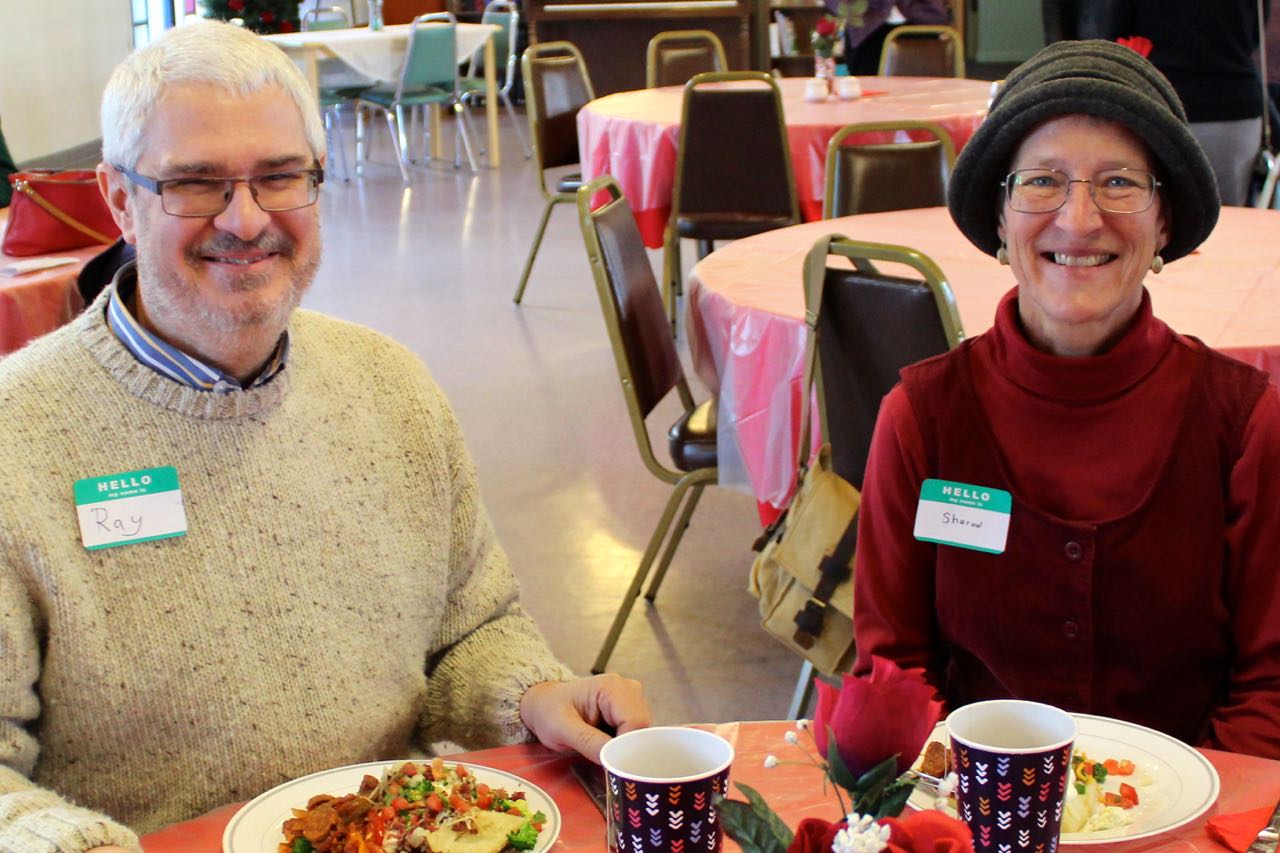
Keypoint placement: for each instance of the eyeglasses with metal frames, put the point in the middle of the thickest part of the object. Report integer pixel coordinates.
(273, 192)
(1112, 190)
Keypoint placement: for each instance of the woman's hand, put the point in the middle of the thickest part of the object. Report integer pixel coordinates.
(564, 715)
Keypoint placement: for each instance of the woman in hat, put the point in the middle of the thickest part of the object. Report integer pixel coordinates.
(1133, 570)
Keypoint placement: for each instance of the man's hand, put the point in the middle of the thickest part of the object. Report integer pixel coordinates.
(564, 714)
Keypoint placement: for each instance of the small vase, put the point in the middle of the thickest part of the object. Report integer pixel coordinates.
(375, 14)
(824, 68)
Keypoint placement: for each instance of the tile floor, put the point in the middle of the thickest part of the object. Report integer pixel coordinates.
(434, 265)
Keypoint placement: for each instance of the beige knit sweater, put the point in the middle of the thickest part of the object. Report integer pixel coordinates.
(339, 597)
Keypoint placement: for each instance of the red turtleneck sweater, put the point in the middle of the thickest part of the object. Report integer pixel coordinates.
(1141, 578)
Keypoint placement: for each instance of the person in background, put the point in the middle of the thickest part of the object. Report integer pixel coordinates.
(1125, 562)
(862, 43)
(1207, 51)
(314, 580)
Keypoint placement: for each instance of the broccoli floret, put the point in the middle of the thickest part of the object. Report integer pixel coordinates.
(523, 838)
(301, 845)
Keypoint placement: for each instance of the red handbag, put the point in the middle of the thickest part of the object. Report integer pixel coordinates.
(54, 211)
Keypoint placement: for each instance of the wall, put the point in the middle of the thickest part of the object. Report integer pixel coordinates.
(55, 58)
(1005, 30)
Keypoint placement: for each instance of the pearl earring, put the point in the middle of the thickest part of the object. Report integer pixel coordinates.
(1157, 264)
(1002, 255)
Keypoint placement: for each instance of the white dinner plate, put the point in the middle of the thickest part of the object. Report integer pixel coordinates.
(256, 828)
(1183, 782)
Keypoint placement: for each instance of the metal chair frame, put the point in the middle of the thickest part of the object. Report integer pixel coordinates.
(322, 18)
(672, 265)
(837, 142)
(942, 31)
(536, 110)
(505, 14)
(687, 485)
(332, 100)
(398, 118)
(691, 38)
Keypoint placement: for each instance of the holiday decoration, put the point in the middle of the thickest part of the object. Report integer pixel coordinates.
(261, 16)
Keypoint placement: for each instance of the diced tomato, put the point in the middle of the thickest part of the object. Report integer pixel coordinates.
(514, 810)
(1124, 767)
(1129, 795)
(536, 826)
(1087, 769)
(458, 803)
(484, 800)
(388, 813)
(400, 804)
(463, 772)
(482, 788)
(409, 769)
(1110, 799)
(435, 805)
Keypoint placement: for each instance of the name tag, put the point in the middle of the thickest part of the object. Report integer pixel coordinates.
(136, 506)
(963, 515)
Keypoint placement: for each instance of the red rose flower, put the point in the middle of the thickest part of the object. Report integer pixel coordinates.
(826, 27)
(814, 835)
(235, 5)
(1138, 44)
(287, 27)
(267, 16)
(928, 831)
(889, 712)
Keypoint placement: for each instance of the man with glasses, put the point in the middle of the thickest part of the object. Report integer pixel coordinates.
(239, 542)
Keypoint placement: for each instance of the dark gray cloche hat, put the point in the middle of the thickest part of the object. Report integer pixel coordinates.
(1097, 78)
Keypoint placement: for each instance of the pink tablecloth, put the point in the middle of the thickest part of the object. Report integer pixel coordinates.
(794, 790)
(34, 303)
(746, 304)
(634, 135)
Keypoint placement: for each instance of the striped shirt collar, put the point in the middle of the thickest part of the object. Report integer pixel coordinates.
(168, 360)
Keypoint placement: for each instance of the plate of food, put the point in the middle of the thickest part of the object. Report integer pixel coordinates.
(408, 806)
(1127, 781)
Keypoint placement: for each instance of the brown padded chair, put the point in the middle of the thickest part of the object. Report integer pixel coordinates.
(887, 176)
(866, 326)
(675, 56)
(733, 168)
(404, 11)
(649, 368)
(922, 50)
(556, 86)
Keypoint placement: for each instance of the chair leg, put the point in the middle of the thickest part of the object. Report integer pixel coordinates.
(677, 533)
(533, 250)
(633, 592)
(402, 134)
(461, 135)
(394, 127)
(803, 693)
(360, 147)
(671, 273)
(515, 119)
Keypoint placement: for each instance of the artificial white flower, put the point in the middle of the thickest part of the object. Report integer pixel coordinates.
(791, 738)
(802, 725)
(947, 786)
(862, 835)
(770, 762)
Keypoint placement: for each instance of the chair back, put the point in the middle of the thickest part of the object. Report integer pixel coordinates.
(325, 18)
(870, 325)
(556, 86)
(733, 153)
(643, 349)
(675, 56)
(432, 61)
(404, 11)
(922, 50)
(887, 176)
(506, 17)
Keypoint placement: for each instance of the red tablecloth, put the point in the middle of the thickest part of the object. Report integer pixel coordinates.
(746, 304)
(34, 303)
(794, 790)
(634, 135)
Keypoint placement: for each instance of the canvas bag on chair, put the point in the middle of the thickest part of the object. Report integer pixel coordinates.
(55, 211)
(803, 574)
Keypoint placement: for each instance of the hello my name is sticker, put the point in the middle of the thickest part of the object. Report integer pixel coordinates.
(124, 509)
(963, 515)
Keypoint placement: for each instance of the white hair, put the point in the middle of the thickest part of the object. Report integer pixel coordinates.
(203, 52)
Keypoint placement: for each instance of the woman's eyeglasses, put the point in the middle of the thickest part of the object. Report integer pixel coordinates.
(1112, 190)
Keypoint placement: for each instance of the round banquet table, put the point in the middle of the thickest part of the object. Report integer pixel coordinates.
(634, 135)
(746, 327)
(794, 790)
(34, 303)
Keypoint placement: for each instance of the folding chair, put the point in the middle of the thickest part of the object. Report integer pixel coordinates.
(556, 86)
(674, 56)
(887, 176)
(922, 50)
(648, 368)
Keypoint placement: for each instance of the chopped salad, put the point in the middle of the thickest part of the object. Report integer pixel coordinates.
(1102, 794)
(416, 807)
